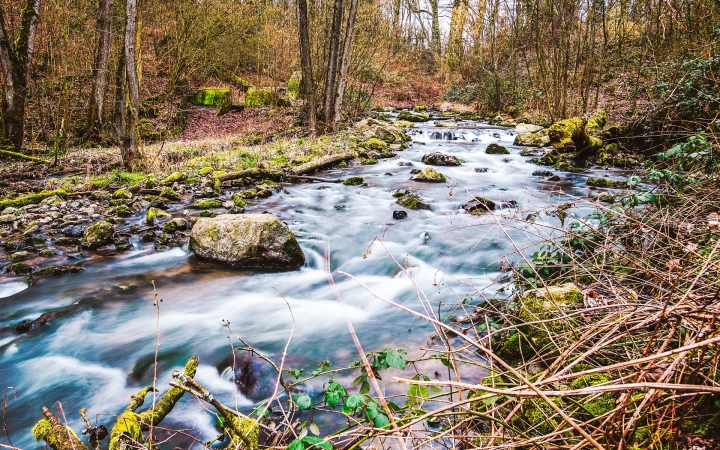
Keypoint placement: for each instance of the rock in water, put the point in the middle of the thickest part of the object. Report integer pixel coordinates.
(430, 175)
(98, 235)
(250, 240)
(440, 159)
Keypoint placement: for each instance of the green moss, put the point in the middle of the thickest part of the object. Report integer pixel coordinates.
(411, 200)
(413, 117)
(20, 256)
(46, 431)
(600, 405)
(122, 194)
(293, 88)
(249, 430)
(21, 269)
(573, 133)
(238, 201)
(606, 183)
(538, 418)
(368, 161)
(429, 174)
(127, 429)
(169, 194)
(259, 97)
(247, 193)
(376, 144)
(155, 216)
(97, 234)
(404, 124)
(566, 166)
(354, 181)
(526, 152)
(496, 149)
(549, 306)
(218, 96)
(31, 199)
(207, 204)
(174, 177)
(205, 171)
(121, 211)
(47, 253)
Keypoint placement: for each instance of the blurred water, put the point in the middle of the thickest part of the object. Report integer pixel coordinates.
(100, 348)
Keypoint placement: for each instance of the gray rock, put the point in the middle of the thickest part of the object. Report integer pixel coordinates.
(249, 240)
(440, 159)
(97, 235)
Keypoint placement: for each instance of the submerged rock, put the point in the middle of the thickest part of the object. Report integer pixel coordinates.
(496, 149)
(440, 159)
(410, 200)
(479, 205)
(251, 240)
(354, 181)
(430, 175)
(97, 235)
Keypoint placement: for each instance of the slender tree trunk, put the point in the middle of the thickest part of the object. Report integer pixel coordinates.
(306, 64)
(15, 60)
(131, 158)
(102, 65)
(121, 108)
(345, 63)
(455, 39)
(332, 67)
(435, 33)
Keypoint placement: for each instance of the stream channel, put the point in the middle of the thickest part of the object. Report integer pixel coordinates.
(100, 350)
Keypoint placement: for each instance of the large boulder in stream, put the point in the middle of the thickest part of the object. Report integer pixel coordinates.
(97, 235)
(429, 175)
(440, 159)
(249, 240)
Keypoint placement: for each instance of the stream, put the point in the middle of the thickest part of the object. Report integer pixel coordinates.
(100, 348)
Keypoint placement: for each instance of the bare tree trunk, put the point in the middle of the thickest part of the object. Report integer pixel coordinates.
(345, 63)
(102, 65)
(332, 67)
(121, 108)
(15, 60)
(455, 39)
(131, 158)
(306, 63)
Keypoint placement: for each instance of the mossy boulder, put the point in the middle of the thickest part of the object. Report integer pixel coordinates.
(207, 203)
(20, 256)
(30, 199)
(238, 201)
(251, 240)
(376, 144)
(219, 97)
(430, 175)
(479, 205)
(547, 309)
(413, 116)
(527, 128)
(496, 149)
(205, 171)
(169, 193)
(156, 216)
(97, 235)
(391, 135)
(441, 159)
(259, 97)
(410, 200)
(354, 181)
(573, 134)
(606, 183)
(539, 139)
(174, 177)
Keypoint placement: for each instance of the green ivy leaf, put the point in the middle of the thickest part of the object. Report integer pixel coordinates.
(352, 403)
(297, 444)
(316, 443)
(304, 401)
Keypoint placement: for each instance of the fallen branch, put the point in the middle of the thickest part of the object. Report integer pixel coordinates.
(318, 179)
(322, 162)
(9, 154)
(255, 172)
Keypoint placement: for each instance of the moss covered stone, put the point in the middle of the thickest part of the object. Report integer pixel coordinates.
(430, 175)
(539, 139)
(251, 240)
(375, 144)
(440, 159)
(259, 97)
(548, 306)
(354, 181)
(207, 204)
(219, 97)
(479, 205)
(410, 200)
(97, 235)
(205, 171)
(573, 134)
(413, 116)
(496, 149)
(238, 201)
(156, 216)
(20, 256)
(174, 177)
(169, 193)
(606, 183)
(31, 199)
(122, 194)
(368, 161)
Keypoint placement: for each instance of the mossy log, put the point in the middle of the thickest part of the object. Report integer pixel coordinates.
(322, 162)
(56, 435)
(573, 134)
(16, 155)
(254, 172)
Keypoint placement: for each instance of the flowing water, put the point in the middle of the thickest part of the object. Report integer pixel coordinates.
(100, 348)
